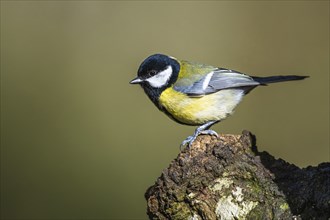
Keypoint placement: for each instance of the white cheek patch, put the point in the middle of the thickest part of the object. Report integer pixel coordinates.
(161, 78)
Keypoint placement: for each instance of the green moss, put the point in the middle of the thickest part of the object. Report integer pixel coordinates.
(284, 206)
(179, 210)
(179, 195)
(256, 189)
(260, 212)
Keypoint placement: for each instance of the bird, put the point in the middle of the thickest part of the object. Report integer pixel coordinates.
(197, 94)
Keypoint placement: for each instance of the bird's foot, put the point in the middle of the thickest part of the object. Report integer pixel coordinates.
(209, 132)
(203, 129)
(190, 139)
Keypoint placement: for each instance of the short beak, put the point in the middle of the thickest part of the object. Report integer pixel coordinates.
(137, 80)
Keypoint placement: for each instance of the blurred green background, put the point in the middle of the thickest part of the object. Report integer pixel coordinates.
(79, 142)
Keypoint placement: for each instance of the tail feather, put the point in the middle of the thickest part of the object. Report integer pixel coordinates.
(275, 79)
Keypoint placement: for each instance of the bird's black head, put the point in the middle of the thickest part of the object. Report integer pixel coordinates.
(156, 73)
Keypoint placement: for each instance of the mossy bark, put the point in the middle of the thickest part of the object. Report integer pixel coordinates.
(227, 178)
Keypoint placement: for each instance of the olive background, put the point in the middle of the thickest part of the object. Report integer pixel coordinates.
(79, 142)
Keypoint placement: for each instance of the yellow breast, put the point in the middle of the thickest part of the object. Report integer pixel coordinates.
(199, 110)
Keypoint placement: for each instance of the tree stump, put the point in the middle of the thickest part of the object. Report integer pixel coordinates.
(227, 178)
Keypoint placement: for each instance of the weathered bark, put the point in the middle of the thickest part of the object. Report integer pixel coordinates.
(227, 178)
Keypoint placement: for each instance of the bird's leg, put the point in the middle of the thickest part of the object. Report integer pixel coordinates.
(203, 129)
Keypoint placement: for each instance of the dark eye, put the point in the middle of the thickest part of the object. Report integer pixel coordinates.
(152, 73)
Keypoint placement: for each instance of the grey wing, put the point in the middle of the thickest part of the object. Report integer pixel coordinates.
(217, 80)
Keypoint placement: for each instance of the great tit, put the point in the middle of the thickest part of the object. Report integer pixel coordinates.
(196, 94)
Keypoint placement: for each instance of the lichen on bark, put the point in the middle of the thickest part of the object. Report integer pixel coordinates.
(221, 178)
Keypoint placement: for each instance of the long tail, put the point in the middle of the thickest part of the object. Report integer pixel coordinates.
(275, 79)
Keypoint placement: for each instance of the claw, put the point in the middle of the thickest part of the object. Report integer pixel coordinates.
(209, 132)
(200, 130)
(189, 140)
